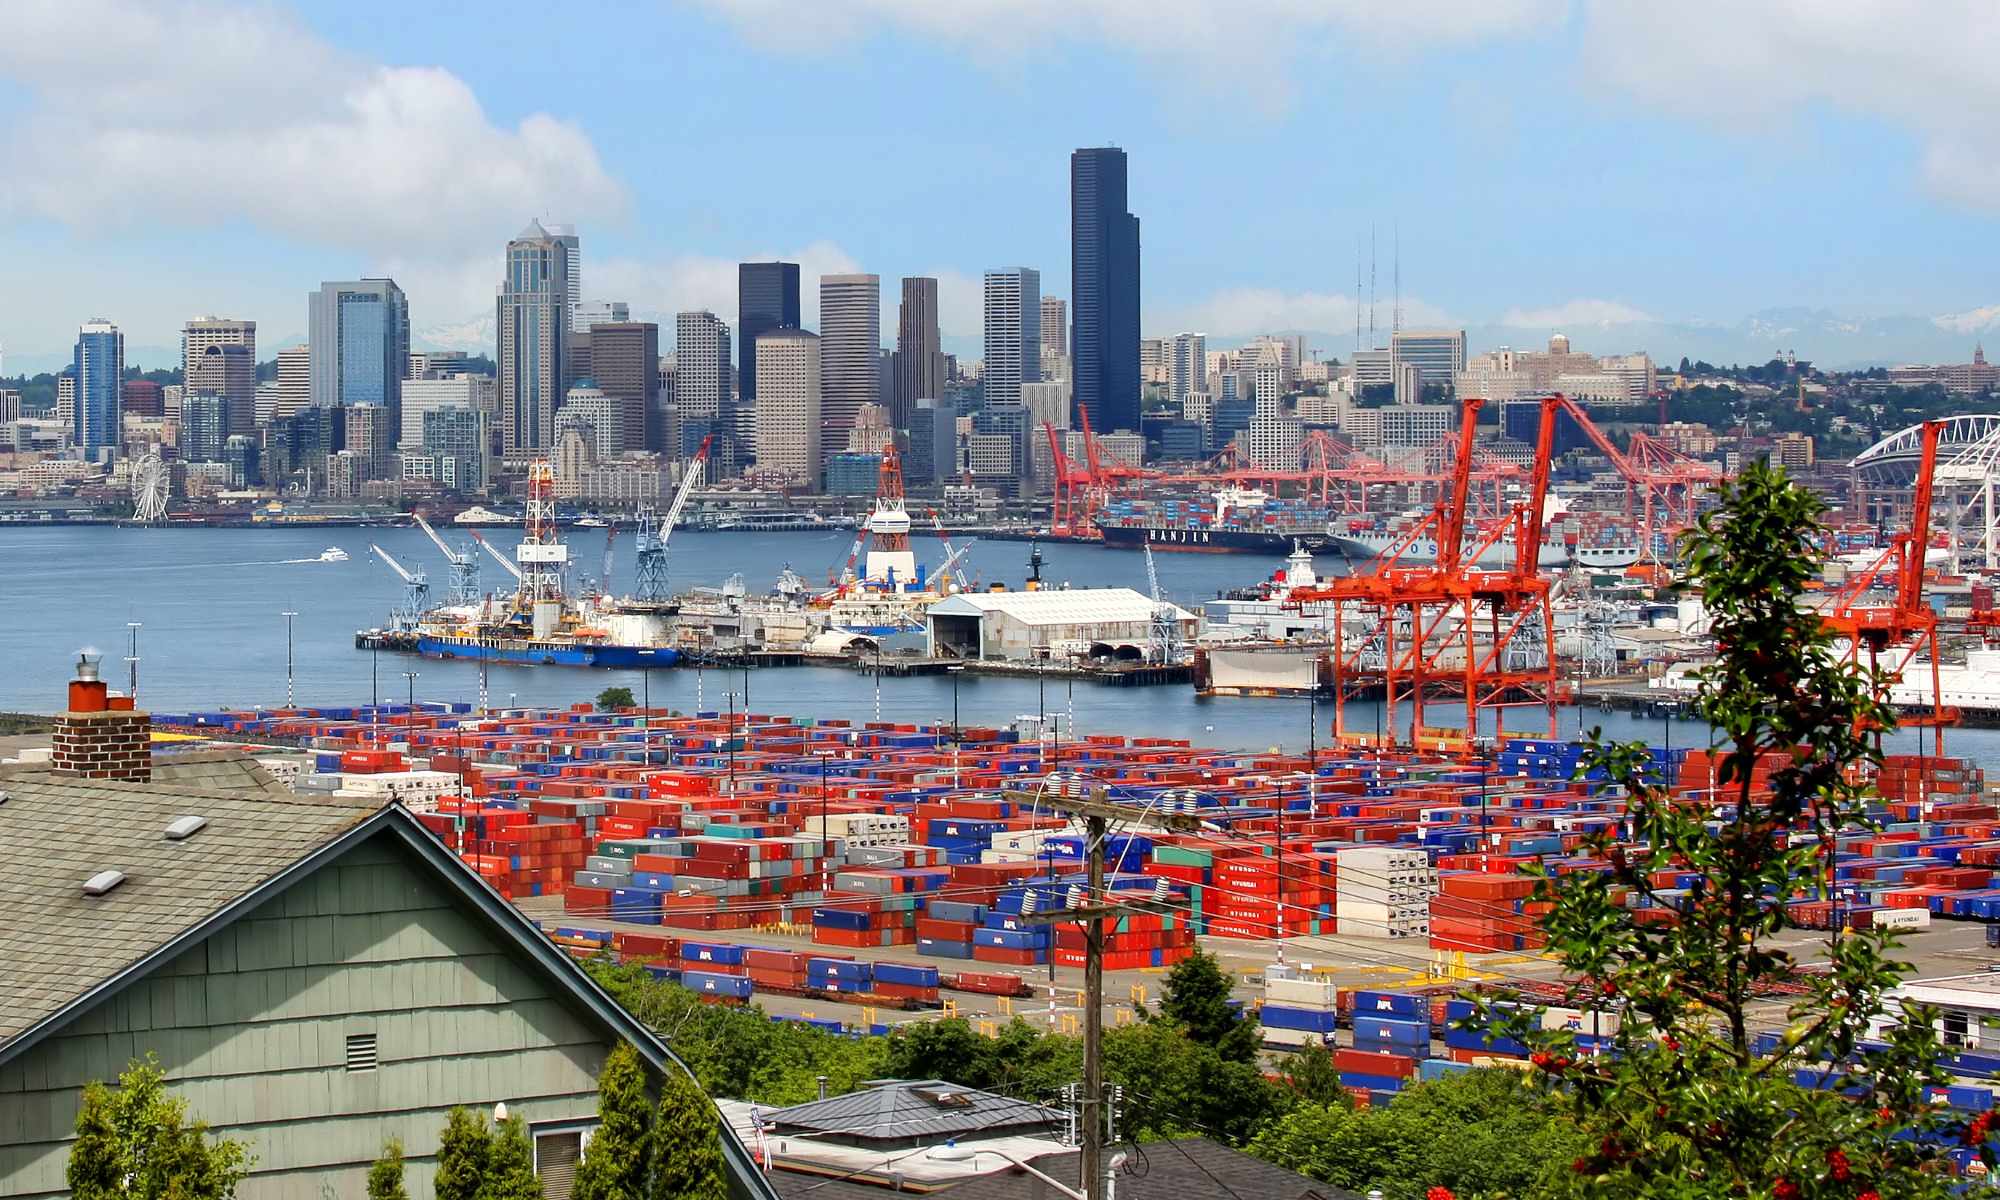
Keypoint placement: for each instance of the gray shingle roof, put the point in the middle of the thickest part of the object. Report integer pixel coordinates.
(57, 831)
(1182, 1169)
(899, 1109)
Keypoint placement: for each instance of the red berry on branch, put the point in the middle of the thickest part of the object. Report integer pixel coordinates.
(1785, 1189)
(1836, 1164)
(1439, 1193)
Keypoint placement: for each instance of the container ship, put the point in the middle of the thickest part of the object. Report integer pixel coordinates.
(1226, 521)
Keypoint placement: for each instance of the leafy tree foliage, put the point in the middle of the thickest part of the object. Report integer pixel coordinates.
(1313, 1079)
(1483, 1133)
(463, 1151)
(687, 1143)
(1197, 995)
(1176, 1086)
(385, 1176)
(618, 1160)
(510, 1164)
(1019, 1061)
(135, 1142)
(1686, 1102)
(614, 698)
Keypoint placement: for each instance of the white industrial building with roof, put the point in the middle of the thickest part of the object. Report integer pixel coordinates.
(1060, 623)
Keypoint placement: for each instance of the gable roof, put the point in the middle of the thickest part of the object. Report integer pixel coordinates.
(905, 1108)
(1057, 606)
(1180, 1169)
(63, 953)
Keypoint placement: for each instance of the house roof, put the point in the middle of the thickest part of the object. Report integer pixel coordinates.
(1181, 1169)
(1058, 606)
(62, 953)
(912, 1108)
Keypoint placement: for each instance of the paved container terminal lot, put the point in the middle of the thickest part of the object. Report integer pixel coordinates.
(1947, 948)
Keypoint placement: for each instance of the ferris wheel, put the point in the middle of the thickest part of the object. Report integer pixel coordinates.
(149, 489)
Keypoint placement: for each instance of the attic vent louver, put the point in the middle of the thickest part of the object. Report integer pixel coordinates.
(102, 882)
(182, 828)
(361, 1052)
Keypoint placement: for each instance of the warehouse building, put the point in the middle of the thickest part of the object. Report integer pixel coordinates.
(314, 975)
(1062, 623)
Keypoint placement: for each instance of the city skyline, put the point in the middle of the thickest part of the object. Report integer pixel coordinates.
(1489, 239)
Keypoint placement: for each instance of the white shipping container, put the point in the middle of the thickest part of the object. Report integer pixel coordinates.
(1300, 993)
(1290, 1037)
(1901, 918)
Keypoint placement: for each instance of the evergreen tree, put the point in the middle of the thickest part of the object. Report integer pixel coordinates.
(614, 698)
(1197, 995)
(687, 1143)
(463, 1150)
(385, 1177)
(135, 1142)
(510, 1164)
(615, 1163)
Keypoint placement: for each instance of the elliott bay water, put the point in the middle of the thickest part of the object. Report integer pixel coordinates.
(213, 635)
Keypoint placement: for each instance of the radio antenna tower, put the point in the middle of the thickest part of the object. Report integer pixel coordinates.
(1357, 295)
(1371, 287)
(1396, 319)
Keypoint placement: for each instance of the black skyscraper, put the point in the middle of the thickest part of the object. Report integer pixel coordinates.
(1104, 289)
(767, 298)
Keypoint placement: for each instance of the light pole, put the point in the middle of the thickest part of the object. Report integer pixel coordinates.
(954, 672)
(646, 708)
(1041, 707)
(697, 684)
(823, 833)
(290, 694)
(410, 718)
(375, 674)
(729, 730)
(132, 662)
(878, 680)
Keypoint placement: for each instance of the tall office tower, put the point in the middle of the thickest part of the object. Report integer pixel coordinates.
(421, 396)
(572, 247)
(1438, 353)
(532, 329)
(358, 333)
(371, 433)
(850, 341)
(1055, 326)
(137, 398)
(438, 364)
(204, 426)
(919, 361)
(598, 312)
(229, 370)
(767, 297)
(1187, 365)
(198, 335)
(66, 400)
(457, 438)
(1013, 334)
(625, 364)
(790, 404)
(98, 363)
(1104, 290)
(294, 379)
(701, 387)
(601, 417)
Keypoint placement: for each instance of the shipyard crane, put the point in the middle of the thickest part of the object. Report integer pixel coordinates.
(948, 567)
(950, 556)
(1907, 624)
(498, 557)
(464, 566)
(653, 542)
(610, 545)
(416, 591)
(1164, 634)
(1661, 482)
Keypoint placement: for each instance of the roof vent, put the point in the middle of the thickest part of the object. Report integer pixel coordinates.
(5, 797)
(102, 882)
(183, 828)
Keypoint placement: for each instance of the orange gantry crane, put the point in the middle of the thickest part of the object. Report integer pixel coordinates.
(1906, 626)
(1447, 633)
(1662, 485)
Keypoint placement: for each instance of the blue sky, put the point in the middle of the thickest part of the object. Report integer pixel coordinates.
(1632, 173)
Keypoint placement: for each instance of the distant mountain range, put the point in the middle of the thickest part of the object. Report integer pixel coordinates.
(1829, 339)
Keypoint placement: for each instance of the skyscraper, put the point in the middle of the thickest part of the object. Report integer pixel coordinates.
(294, 379)
(98, 363)
(850, 341)
(358, 344)
(1055, 326)
(205, 425)
(919, 363)
(1104, 289)
(532, 324)
(1013, 334)
(1187, 365)
(625, 363)
(701, 386)
(198, 335)
(229, 370)
(767, 297)
(789, 405)
(572, 246)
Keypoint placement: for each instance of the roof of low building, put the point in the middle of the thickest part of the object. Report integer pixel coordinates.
(1180, 1169)
(1056, 606)
(912, 1108)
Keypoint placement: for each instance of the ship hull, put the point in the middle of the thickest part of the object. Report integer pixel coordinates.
(525, 652)
(1202, 540)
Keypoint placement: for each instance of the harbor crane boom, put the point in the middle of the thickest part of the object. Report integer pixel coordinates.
(416, 590)
(464, 565)
(950, 556)
(502, 559)
(653, 543)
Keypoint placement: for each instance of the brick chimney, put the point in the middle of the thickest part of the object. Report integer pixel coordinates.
(101, 736)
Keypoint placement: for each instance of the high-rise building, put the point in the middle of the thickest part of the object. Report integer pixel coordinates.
(423, 396)
(1055, 326)
(358, 334)
(296, 446)
(1104, 290)
(933, 431)
(1187, 365)
(97, 367)
(457, 437)
(267, 401)
(204, 426)
(791, 405)
(371, 434)
(565, 237)
(767, 297)
(1013, 334)
(228, 369)
(701, 374)
(245, 462)
(438, 364)
(138, 398)
(199, 334)
(850, 340)
(532, 323)
(1438, 353)
(919, 360)
(294, 380)
(625, 363)
(601, 417)
(599, 312)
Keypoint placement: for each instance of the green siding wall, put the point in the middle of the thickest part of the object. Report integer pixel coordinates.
(251, 1027)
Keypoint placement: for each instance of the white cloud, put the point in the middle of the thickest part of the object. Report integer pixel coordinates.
(1240, 312)
(1976, 320)
(1574, 314)
(1748, 68)
(211, 113)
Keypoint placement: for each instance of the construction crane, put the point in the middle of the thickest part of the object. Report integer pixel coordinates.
(1164, 632)
(464, 566)
(1906, 625)
(950, 556)
(416, 591)
(653, 542)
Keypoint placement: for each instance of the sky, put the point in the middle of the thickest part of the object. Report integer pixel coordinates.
(1703, 176)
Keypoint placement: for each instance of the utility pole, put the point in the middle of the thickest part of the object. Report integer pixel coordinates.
(132, 662)
(290, 695)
